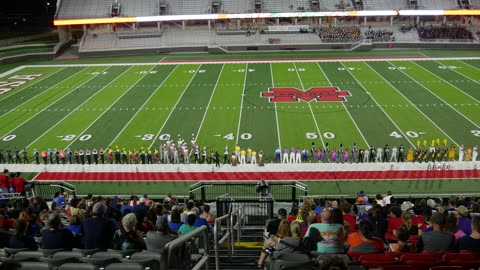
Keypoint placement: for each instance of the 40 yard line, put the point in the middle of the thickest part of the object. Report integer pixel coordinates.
(53, 103)
(241, 105)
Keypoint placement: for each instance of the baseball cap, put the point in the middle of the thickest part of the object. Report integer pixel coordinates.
(439, 219)
(282, 212)
(462, 210)
(99, 208)
(142, 200)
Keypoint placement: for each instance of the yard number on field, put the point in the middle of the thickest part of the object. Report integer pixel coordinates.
(411, 134)
(326, 135)
(243, 136)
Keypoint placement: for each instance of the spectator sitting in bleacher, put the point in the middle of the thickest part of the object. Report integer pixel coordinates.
(394, 221)
(292, 243)
(271, 243)
(339, 34)
(156, 240)
(379, 35)
(464, 224)
(471, 242)
(364, 241)
(20, 239)
(128, 238)
(348, 217)
(452, 227)
(56, 236)
(379, 222)
(333, 235)
(272, 226)
(444, 32)
(209, 217)
(436, 240)
(403, 245)
(98, 230)
(189, 226)
(175, 221)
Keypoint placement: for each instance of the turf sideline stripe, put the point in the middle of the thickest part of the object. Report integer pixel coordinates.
(34, 83)
(378, 104)
(345, 107)
(276, 113)
(310, 106)
(138, 111)
(174, 106)
(210, 100)
(72, 111)
(447, 82)
(241, 104)
(420, 111)
(60, 98)
(448, 104)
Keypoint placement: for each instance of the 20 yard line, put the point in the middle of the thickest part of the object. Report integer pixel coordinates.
(411, 103)
(446, 81)
(241, 104)
(174, 106)
(139, 109)
(34, 83)
(426, 88)
(371, 96)
(345, 107)
(309, 106)
(209, 101)
(72, 111)
(276, 113)
(54, 102)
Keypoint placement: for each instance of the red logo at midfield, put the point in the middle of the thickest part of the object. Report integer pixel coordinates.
(290, 94)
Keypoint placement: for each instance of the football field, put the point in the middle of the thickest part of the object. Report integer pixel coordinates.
(262, 105)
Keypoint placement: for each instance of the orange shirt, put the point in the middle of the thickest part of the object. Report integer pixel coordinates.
(355, 240)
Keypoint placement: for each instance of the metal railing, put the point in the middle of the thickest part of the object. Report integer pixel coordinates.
(46, 190)
(173, 246)
(227, 236)
(240, 217)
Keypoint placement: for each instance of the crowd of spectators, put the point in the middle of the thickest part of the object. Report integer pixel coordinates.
(375, 225)
(444, 32)
(339, 34)
(379, 35)
(136, 223)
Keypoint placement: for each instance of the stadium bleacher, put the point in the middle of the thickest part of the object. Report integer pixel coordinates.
(185, 7)
(139, 7)
(70, 9)
(437, 4)
(235, 6)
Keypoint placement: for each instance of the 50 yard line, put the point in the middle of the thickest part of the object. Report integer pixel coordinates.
(241, 105)
(276, 113)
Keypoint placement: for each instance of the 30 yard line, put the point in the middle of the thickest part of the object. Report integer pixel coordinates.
(34, 83)
(371, 96)
(174, 106)
(424, 87)
(446, 81)
(310, 107)
(138, 111)
(345, 107)
(11, 110)
(411, 103)
(241, 105)
(210, 100)
(72, 111)
(276, 113)
(54, 102)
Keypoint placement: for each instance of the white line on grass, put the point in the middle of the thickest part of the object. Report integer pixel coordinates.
(463, 61)
(174, 106)
(371, 96)
(446, 81)
(241, 105)
(448, 104)
(209, 101)
(72, 111)
(412, 104)
(345, 107)
(19, 125)
(310, 107)
(138, 111)
(466, 76)
(34, 83)
(276, 113)
(6, 73)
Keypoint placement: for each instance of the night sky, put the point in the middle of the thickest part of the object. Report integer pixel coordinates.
(21, 14)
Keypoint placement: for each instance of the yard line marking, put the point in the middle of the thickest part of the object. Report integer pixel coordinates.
(345, 107)
(311, 111)
(140, 109)
(241, 104)
(463, 61)
(11, 110)
(210, 100)
(371, 96)
(34, 83)
(466, 76)
(412, 104)
(72, 111)
(446, 81)
(276, 113)
(40, 111)
(13, 70)
(174, 106)
(448, 104)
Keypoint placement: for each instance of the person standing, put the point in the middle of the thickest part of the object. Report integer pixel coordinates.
(88, 154)
(81, 153)
(393, 157)
(37, 156)
(2, 158)
(62, 156)
(285, 156)
(149, 156)
(386, 152)
(17, 156)
(9, 155)
(95, 155)
(69, 155)
(217, 159)
(461, 153)
(254, 157)
(278, 154)
(361, 154)
(475, 153)
(226, 158)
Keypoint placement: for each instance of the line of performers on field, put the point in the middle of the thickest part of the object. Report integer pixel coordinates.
(360, 155)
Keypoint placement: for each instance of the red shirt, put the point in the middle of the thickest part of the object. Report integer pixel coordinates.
(419, 220)
(4, 181)
(351, 220)
(19, 184)
(393, 224)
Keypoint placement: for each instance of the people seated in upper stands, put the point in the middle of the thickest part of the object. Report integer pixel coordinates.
(471, 242)
(403, 244)
(56, 236)
(364, 241)
(348, 216)
(98, 230)
(305, 210)
(20, 239)
(339, 34)
(207, 215)
(378, 221)
(444, 32)
(333, 235)
(291, 243)
(464, 224)
(141, 208)
(378, 35)
(189, 226)
(127, 237)
(169, 201)
(156, 240)
(408, 225)
(451, 226)
(394, 221)
(199, 221)
(436, 240)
